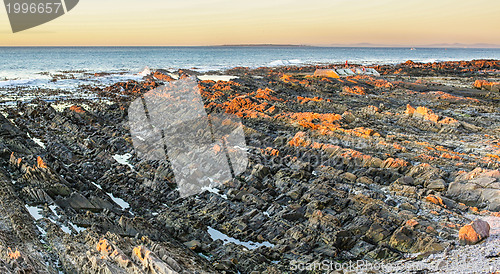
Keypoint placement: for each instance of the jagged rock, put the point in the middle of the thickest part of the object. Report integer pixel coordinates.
(150, 262)
(76, 201)
(377, 233)
(402, 239)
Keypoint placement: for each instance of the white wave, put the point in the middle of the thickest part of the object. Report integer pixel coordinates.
(279, 63)
(217, 77)
(112, 79)
(22, 82)
(203, 69)
(429, 60)
(145, 72)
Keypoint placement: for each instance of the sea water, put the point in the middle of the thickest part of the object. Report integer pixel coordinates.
(37, 66)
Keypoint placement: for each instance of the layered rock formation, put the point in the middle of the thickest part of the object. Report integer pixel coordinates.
(353, 168)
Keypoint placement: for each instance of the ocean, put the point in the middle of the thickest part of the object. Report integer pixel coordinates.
(36, 66)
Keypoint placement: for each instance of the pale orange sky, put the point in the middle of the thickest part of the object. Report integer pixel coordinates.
(313, 22)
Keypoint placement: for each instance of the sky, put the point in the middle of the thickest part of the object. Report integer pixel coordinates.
(221, 22)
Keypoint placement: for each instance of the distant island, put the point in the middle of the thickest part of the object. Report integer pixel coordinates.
(263, 45)
(443, 45)
(369, 45)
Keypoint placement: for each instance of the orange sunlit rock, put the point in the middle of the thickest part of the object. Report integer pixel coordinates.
(225, 85)
(104, 247)
(303, 100)
(440, 95)
(13, 255)
(427, 114)
(411, 223)
(312, 117)
(246, 106)
(435, 200)
(357, 90)
(474, 232)
(486, 85)
(14, 160)
(286, 78)
(394, 163)
(421, 112)
(162, 76)
(363, 132)
(298, 140)
(270, 151)
(326, 73)
(217, 148)
(410, 110)
(77, 109)
(141, 253)
(40, 163)
(448, 121)
(370, 80)
(266, 94)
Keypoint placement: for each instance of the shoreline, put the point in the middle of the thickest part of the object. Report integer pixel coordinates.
(77, 84)
(83, 74)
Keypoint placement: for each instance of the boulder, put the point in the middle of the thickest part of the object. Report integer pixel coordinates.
(478, 188)
(402, 239)
(467, 193)
(406, 180)
(349, 176)
(492, 196)
(474, 232)
(326, 73)
(438, 185)
(150, 262)
(377, 233)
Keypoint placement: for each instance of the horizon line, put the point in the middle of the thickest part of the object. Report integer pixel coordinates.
(356, 45)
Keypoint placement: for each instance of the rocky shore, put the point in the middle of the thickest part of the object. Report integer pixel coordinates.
(379, 169)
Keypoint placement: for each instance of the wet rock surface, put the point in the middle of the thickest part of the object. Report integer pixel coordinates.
(340, 169)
